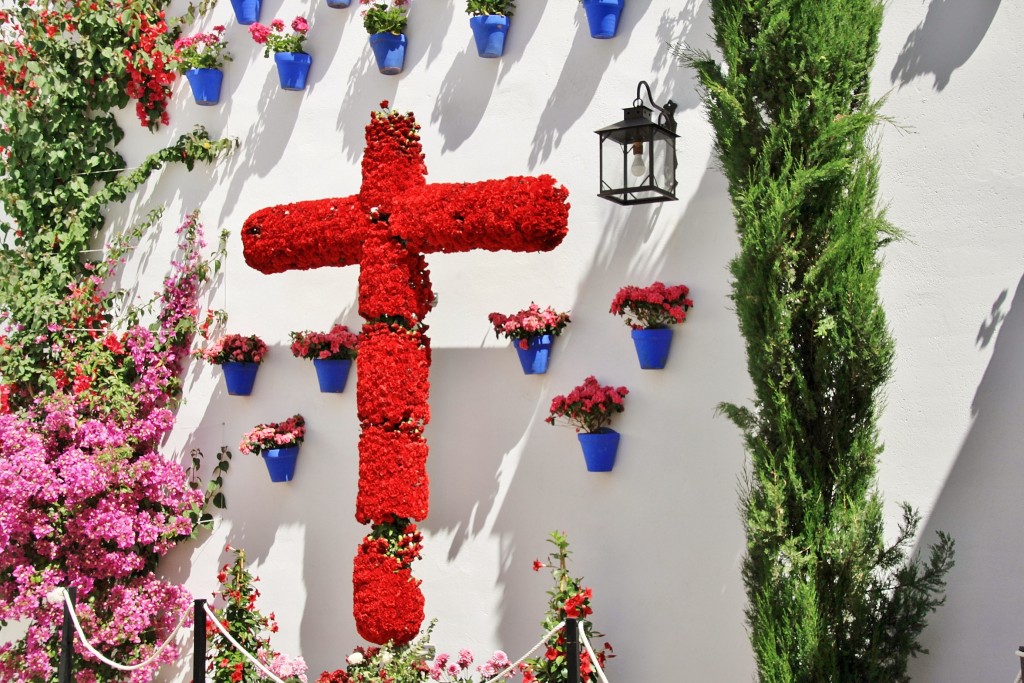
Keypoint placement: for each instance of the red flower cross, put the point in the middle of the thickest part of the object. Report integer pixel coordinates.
(386, 229)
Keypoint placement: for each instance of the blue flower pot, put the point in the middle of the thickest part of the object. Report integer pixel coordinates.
(652, 347)
(489, 31)
(599, 449)
(205, 85)
(246, 11)
(389, 49)
(339, 4)
(332, 374)
(534, 358)
(292, 69)
(603, 17)
(240, 377)
(281, 463)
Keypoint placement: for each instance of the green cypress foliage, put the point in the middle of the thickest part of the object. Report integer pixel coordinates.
(828, 599)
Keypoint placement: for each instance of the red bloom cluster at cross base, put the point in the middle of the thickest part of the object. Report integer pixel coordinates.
(386, 600)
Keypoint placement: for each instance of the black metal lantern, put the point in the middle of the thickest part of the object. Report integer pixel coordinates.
(638, 154)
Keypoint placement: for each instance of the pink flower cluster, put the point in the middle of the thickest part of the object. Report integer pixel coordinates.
(529, 322)
(264, 437)
(588, 407)
(338, 344)
(653, 306)
(287, 668)
(446, 669)
(276, 40)
(235, 348)
(87, 499)
(201, 51)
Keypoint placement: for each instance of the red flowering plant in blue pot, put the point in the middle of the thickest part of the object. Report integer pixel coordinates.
(533, 330)
(589, 409)
(240, 356)
(649, 311)
(278, 443)
(332, 354)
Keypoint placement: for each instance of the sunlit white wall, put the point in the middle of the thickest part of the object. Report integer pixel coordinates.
(659, 538)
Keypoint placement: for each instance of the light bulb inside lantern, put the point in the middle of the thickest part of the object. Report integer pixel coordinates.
(639, 167)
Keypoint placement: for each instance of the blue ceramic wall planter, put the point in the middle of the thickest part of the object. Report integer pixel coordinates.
(331, 374)
(599, 449)
(292, 69)
(535, 357)
(389, 50)
(603, 17)
(652, 347)
(489, 31)
(281, 463)
(339, 4)
(240, 377)
(205, 85)
(246, 11)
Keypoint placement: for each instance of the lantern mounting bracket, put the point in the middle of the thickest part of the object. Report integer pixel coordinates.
(666, 114)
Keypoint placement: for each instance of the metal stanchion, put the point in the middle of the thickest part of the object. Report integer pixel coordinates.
(67, 641)
(199, 641)
(572, 650)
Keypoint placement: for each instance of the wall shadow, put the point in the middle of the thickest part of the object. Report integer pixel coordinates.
(973, 637)
(944, 41)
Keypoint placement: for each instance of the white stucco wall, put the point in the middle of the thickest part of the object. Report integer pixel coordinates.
(659, 539)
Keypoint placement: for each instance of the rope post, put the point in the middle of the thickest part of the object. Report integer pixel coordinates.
(199, 641)
(67, 640)
(572, 650)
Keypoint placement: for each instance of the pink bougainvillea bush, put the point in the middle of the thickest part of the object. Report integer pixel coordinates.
(88, 501)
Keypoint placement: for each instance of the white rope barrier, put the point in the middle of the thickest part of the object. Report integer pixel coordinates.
(519, 661)
(121, 667)
(590, 651)
(62, 594)
(220, 627)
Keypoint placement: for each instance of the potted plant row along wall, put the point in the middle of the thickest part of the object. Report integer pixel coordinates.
(200, 57)
(386, 23)
(292, 62)
(589, 409)
(649, 311)
(490, 21)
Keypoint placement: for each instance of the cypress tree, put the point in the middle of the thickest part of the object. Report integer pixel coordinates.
(828, 598)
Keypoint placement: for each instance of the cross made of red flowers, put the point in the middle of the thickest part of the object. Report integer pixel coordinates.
(386, 229)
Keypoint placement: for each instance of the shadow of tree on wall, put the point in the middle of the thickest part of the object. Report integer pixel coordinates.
(973, 637)
(944, 41)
